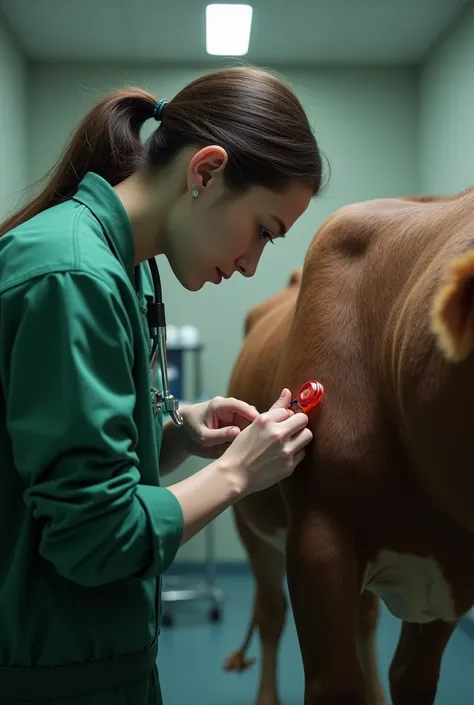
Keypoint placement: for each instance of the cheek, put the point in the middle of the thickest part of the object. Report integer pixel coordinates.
(226, 235)
(240, 235)
(244, 244)
(221, 233)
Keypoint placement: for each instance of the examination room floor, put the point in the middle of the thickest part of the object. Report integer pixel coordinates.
(193, 651)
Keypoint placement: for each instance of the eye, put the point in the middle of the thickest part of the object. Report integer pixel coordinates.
(265, 234)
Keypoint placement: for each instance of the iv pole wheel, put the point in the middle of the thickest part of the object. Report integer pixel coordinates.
(167, 620)
(215, 614)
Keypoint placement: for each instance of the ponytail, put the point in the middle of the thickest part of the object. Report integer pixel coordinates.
(107, 142)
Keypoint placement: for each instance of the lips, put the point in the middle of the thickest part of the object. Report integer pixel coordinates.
(220, 275)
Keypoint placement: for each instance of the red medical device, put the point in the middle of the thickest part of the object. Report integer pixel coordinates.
(309, 396)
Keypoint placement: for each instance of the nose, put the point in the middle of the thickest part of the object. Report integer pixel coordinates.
(247, 264)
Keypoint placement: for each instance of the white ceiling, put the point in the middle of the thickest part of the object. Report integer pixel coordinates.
(283, 32)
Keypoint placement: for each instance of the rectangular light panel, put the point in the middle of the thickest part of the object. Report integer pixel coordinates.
(228, 29)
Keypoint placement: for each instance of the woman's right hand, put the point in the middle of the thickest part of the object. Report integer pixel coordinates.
(269, 449)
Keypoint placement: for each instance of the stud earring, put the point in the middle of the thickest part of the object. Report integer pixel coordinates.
(194, 192)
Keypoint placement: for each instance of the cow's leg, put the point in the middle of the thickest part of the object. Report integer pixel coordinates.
(414, 672)
(324, 582)
(369, 610)
(268, 566)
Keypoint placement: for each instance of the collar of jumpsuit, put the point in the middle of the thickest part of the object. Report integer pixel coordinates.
(99, 197)
(96, 194)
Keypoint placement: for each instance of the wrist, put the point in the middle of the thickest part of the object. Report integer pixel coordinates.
(174, 451)
(206, 494)
(233, 480)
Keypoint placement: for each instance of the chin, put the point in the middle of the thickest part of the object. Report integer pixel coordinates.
(191, 283)
(193, 286)
(188, 282)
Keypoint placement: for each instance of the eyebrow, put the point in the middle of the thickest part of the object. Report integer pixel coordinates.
(281, 225)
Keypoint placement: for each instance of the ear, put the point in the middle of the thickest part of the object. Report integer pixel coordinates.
(453, 310)
(206, 164)
(249, 321)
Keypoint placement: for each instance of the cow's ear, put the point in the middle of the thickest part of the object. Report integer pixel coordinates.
(453, 309)
(249, 321)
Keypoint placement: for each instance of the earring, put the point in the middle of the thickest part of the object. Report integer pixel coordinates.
(194, 192)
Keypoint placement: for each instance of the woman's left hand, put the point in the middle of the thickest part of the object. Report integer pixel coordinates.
(211, 426)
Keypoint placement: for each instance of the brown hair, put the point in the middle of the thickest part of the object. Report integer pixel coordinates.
(249, 112)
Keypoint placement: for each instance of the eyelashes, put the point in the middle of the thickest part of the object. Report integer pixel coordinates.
(265, 234)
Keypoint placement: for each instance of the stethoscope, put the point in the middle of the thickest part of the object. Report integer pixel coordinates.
(156, 320)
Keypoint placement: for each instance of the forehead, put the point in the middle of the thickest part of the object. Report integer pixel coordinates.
(287, 205)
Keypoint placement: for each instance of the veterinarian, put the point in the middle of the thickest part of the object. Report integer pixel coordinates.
(86, 530)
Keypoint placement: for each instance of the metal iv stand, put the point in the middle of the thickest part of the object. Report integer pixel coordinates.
(175, 588)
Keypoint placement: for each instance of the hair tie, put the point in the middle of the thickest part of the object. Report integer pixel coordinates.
(158, 109)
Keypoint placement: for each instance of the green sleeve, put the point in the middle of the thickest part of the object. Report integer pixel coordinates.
(70, 398)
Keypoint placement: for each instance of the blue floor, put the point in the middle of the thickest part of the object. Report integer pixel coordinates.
(192, 652)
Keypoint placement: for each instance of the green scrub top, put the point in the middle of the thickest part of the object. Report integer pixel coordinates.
(85, 528)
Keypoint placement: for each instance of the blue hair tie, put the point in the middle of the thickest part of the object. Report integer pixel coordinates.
(158, 109)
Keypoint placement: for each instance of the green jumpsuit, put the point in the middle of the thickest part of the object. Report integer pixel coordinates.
(85, 528)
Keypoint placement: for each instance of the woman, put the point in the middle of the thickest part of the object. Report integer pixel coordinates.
(85, 528)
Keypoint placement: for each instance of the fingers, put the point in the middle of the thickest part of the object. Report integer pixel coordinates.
(297, 443)
(225, 434)
(236, 406)
(275, 414)
(295, 449)
(216, 436)
(283, 400)
(293, 424)
(246, 411)
(299, 457)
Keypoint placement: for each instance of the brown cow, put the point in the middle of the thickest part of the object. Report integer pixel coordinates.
(382, 506)
(261, 521)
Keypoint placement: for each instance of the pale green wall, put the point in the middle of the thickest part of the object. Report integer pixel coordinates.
(447, 113)
(365, 121)
(13, 104)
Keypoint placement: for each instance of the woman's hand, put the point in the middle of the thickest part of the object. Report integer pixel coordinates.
(268, 450)
(264, 453)
(211, 426)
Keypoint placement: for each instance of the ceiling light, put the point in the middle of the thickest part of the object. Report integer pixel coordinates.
(228, 29)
